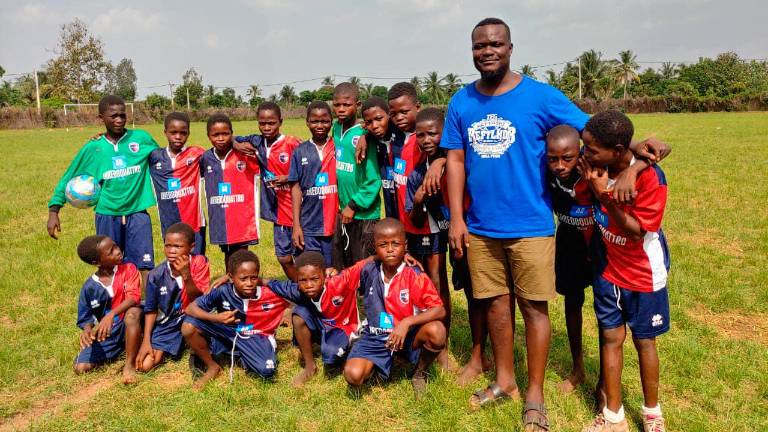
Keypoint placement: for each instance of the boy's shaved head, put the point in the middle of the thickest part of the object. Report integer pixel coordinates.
(346, 89)
(563, 135)
(310, 258)
(431, 114)
(375, 102)
(388, 224)
(108, 101)
(88, 249)
(403, 89)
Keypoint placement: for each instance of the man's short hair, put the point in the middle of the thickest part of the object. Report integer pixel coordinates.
(318, 105)
(346, 89)
(88, 249)
(183, 229)
(493, 21)
(611, 128)
(310, 258)
(375, 102)
(270, 106)
(176, 116)
(403, 89)
(241, 257)
(218, 117)
(431, 114)
(108, 101)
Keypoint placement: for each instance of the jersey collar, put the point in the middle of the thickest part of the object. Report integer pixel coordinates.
(383, 279)
(109, 287)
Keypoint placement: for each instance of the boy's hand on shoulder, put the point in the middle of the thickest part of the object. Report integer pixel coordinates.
(86, 337)
(221, 280)
(651, 149)
(361, 149)
(434, 174)
(244, 147)
(412, 262)
(54, 225)
(104, 329)
(227, 317)
(331, 272)
(399, 333)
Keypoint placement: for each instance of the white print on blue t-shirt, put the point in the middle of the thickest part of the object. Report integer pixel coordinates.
(492, 136)
(386, 321)
(118, 162)
(399, 166)
(321, 179)
(225, 188)
(174, 184)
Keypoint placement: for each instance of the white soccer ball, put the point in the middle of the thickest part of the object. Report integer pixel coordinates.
(82, 191)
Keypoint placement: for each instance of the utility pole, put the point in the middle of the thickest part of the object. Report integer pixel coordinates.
(37, 92)
(188, 109)
(173, 102)
(579, 77)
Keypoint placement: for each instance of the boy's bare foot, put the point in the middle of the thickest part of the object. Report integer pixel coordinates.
(447, 364)
(305, 375)
(129, 374)
(210, 374)
(570, 384)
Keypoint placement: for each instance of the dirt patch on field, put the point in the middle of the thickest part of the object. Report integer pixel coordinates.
(734, 325)
(55, 405)
(712, 239)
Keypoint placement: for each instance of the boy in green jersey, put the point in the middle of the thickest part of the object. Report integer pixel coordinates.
(359, 184)
(118, 161)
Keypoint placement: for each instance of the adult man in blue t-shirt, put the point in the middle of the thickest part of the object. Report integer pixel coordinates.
(494, 133)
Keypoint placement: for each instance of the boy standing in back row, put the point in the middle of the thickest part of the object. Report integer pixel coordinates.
(359, 184)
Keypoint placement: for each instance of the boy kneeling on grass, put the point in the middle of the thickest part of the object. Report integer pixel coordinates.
(106, 310)
(404, 313)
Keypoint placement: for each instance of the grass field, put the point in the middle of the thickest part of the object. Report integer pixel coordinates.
(714, 373)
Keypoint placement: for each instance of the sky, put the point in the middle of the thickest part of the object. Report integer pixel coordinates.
(241, 42)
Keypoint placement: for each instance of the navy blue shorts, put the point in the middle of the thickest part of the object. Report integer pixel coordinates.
(106, 351)
(283, 241)
(646, 313)
(199, 248)
(133, 233)
(255, 353)
(166, 337)
(372, 348)
(334, 343)
(322, 244)
(427, 244)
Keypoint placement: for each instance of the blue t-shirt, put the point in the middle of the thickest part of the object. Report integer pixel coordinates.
(505, 155)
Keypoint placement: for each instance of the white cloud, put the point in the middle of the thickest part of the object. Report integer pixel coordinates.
(36, 13)
(125, 20)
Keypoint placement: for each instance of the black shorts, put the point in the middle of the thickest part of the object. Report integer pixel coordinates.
(352, 242)
(573, 268)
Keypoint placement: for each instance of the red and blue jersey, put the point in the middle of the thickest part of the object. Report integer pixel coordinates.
(177, 186)
(260, 314)
(388, 151)
(438, 213)
(637, 265)
(230, 190)
(274, 160)
(316, 175)
(166, 293)
(97, 299)
(410, 157)
(408, 293)
(337, 305)
(572, 202)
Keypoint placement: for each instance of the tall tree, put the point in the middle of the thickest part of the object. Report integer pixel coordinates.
(528, 70)
(552, 78)
(122, 80)
(79, 68)
(327, 81)
(668, 70)
(366, 90)
(355, 81)
(416, 82)
(192, 82)
(288, 95)
(451, 84)
(254, 95)
(626, 69)
(433, 88)
(593, 69)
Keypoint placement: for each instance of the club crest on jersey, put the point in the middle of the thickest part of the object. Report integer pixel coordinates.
(386, 321)
(404, 296)
(337, 300)
(283, 157)
(134, 147)
(321, 179)
(240, 166)
(399, 166)
(225, 188)
(174, 184)
(355, 140)
(190, 161)
(267, 307)
(118, 162)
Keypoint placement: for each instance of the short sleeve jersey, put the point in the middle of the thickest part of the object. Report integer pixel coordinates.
(637, 265)
(274, 160)
(408, 293)
(97, 299)
(438, 214)
(230, 190)
(166, 293)
(316, 177)
(572, 202)
(177, 186)
(260, 314)
(359, 183)
(410, 157)
(503, 138)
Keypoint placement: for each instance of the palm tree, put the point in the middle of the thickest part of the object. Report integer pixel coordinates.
(253, 91)
(593, 68)
(416, 82)
(626, 69)
(366, 90)
(552, 78)
(451, 84)
(668, 70)
(287, 94)
(355, 81)
(433, 88)
(327, 81)
(528, 70)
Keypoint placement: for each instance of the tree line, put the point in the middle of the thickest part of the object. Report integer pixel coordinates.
(80, 73)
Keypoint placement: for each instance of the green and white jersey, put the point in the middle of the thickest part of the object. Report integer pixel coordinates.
(359, 183)
(120, 167)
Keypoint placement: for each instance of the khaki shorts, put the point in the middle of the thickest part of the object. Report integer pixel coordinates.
(525, 267)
